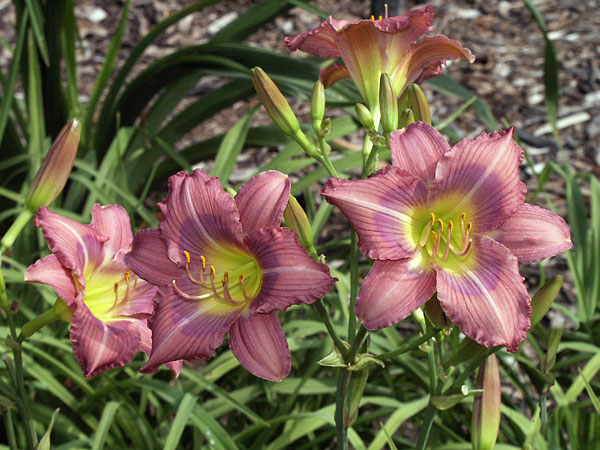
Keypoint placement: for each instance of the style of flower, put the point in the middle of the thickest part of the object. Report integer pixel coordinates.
(223, 265)
(110, 305)
(372, 47)
(451, 221)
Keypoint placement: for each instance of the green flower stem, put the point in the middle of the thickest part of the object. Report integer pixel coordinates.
(408, 346)
(37, 323)
(431, 410)
(358, 340)
(10, 430)
(331, 170)
(322, 311)
(353, 283)
(18, 361)
(340, 409)
(11, 235)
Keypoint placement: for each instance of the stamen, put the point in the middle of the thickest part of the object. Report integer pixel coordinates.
(188, 296)
(203, 259)
(436, 245)
(226, 292)
(380, 18)
(246, 296)
(425, 235)
(199, 282)
(212, 283)
(465, 251)
(372, 17)
(440, 226)
(448, 236)
(385, 7)
(128, 276)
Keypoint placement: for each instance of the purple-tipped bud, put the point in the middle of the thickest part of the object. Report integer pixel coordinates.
(485, 423)
(56, 167)
(388, 104)
(274, 102)
(296, 219)
(413, 98)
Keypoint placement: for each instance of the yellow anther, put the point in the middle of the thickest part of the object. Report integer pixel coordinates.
(187, 257)
(213, 272)
(203, 259)
(450, 225)
(225, 279)
(435, 237)
(432, 218)
(116, 287)
(440, 226)
(128, 276)
(469, 227)
(372, 17)
(380, 17)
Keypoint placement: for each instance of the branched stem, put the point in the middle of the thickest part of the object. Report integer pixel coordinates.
(324, 315)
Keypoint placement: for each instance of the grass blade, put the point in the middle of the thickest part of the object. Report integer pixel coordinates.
(106, 421)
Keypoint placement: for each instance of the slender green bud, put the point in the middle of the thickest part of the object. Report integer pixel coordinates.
(365, 118)
(274, 102)
(388, 104)
(485, 423)
(544, 297)
(317, 105)
(56, 167)
(406, 118)
(413, 98)
(296, 219)
(553, 341)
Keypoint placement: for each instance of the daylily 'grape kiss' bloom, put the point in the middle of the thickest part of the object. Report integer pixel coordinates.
(372, 47)
(110, 304)
(223, 265)
(451, 220)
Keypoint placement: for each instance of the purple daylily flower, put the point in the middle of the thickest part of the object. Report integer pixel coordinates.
(223, 265)
(110, 305)
(371, 47)
(451, 221)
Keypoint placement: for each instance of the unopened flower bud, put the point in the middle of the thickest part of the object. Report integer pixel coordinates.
(56, 167)
(317, 105)
(434, 312)
(544, 297)
(406, 118)
(274, 102)
(413, 98)
(365, 118)
(388, 104)
(485, 423)
(296, 219)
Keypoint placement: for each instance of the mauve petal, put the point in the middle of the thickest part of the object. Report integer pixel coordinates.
(290, 276)
(425, 58)
(393, 290)
(186, 329)
(480, 178)
(50, 271)
(259, 344)
(148, 258)
(261, 200)
(146, 347)
(533, 234)
(380, 210)
(199, 217)
(113, 222)
(100, 346)
(332, 74)
(417, 149)
(485, 295)
(320, 41)
(139, 299)
(78, 247)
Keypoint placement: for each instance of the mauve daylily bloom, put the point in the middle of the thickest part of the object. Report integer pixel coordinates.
(451, 220)
(110, 304)
(372, 47)
(223, 265)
